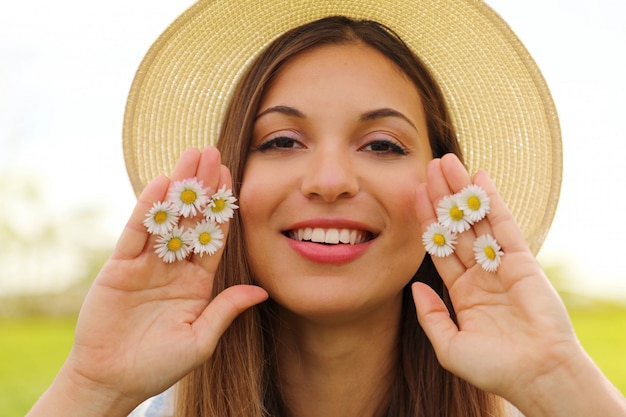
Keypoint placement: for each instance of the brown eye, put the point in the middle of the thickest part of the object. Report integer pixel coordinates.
(384, 146)
(280, 143)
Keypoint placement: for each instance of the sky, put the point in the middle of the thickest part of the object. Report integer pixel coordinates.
(66, 67)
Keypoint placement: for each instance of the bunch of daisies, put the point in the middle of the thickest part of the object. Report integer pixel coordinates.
(455, 214)
(188, 199)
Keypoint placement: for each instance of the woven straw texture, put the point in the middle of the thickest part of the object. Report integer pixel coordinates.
(502, 109)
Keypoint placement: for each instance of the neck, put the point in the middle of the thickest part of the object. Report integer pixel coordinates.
(337, 369)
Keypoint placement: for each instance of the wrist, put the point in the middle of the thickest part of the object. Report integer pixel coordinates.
(72, 394)
(573, 387)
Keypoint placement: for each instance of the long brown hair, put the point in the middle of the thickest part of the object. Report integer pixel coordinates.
(240, 378)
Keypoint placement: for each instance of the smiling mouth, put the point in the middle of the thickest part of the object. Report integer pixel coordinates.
(330, 236)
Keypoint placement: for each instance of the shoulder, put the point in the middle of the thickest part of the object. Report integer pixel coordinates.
(158, 406)
(511, 410)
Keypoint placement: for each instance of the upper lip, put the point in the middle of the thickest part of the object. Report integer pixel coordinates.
(331, 231)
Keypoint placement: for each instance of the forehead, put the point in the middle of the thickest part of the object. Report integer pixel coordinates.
(339, 70)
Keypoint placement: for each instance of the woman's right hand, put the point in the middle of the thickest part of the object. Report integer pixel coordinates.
(146, 323)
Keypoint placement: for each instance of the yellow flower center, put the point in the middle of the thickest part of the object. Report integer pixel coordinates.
(473, 202)
(160, 217)
(456, 213)
(439, 239)
(188, 196)
(218, 205)
(490, 253)
(174, 244)
(204, 238)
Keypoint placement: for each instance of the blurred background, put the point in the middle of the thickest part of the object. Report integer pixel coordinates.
(65, 71)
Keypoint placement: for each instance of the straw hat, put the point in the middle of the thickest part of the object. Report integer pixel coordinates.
(500, 104)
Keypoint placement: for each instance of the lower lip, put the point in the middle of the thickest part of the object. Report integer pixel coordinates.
(328, 254)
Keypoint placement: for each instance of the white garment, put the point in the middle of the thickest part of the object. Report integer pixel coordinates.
(161, 405)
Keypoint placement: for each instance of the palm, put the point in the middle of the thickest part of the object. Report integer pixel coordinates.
(145, 322)
(506, 319)
(152, 322)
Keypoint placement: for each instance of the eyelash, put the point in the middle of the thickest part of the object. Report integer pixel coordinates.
(393, 147)
(273, 143)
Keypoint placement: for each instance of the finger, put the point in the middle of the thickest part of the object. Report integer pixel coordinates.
(209, 168)
(210, 262)
(500, 220)
(455, 173)
(437, 184)
(221, 312)
(434, 318)
(446, 177)
(187, 165)
(450, 267)
(134, 237)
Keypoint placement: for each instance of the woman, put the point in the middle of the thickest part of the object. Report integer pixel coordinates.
(333, 128)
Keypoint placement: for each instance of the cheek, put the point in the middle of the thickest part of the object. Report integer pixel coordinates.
(401, 205)
(260, 197)
(252, 212)
(252, 201)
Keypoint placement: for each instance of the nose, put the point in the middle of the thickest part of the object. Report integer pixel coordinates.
(329, 175)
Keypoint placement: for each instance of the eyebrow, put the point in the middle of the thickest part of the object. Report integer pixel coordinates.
(367, 116)
(286, 110)
(385, 112)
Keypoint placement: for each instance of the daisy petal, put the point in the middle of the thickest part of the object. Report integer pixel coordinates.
(222, 206)
(161, 218)
(438, 240)
(206, 237)
(173, 246)
(474, 201)
(188, 196)
(488, 253)
(451, 216)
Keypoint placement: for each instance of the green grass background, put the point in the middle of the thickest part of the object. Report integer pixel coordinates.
(33, 349)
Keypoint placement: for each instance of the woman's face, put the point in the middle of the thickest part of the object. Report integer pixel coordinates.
(328, 194)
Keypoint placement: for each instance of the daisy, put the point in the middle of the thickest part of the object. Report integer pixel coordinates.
(451, 216)
(173, 246)
(188, 196)
(206, 237)
(474, 201)
(161, 218)
(222, 206)
(439, 240)
(487, 253)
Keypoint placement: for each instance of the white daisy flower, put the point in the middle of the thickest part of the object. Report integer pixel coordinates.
(222, 206)
(161, 218)
(188, 196)
(487, 253)
(173, 246)
(451, 216)
(438, 240)
(206, 237)
(474, 201)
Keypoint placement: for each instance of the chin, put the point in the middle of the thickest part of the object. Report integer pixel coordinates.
(333, 306)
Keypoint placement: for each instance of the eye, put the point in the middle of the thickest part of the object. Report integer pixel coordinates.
(384, 146)
(280, 142)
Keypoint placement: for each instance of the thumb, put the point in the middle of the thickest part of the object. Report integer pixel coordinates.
(434, 317)
(223, 310)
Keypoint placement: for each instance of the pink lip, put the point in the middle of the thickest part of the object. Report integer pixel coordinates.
(328, 223)
(329, 254)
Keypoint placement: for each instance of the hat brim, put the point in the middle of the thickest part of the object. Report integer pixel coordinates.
(500, 104)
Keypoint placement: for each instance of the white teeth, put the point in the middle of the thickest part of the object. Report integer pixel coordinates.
(318, 235)
(344, 236)
(330, 236)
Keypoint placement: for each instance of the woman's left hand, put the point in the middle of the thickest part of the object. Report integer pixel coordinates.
(514, 337)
